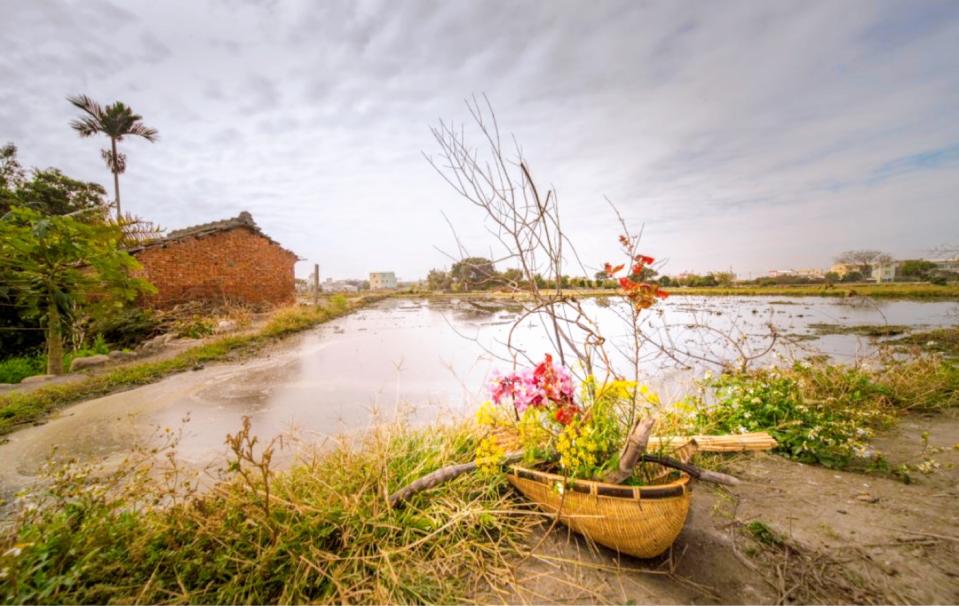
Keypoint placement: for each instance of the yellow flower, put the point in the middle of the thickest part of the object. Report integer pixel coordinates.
(489, 456)
(486, 415)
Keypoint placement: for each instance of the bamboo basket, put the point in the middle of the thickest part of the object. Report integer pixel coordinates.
(641, 521)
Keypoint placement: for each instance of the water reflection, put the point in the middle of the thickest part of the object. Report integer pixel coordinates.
(428, 359)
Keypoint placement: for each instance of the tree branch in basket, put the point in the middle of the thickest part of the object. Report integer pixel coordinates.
(635, 446)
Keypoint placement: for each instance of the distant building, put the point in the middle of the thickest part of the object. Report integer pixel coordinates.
(883, 272)
(229, 260)
(842, 269)
(951, 265)
(331, 285)
(382, 280)
(811, 273)
(780, 273)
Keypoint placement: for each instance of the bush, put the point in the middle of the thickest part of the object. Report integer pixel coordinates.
(14, 370)
(127, 327)
(818, 413)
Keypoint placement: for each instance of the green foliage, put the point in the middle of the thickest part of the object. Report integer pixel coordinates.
(14, 370)
(437, 279)
(819, 412)
(763, 533)
(916, 268)
(126, 327)
(196, 327)
(99, 347)
(58, 264)
(319, 533)
(48, 191)
(473, 273)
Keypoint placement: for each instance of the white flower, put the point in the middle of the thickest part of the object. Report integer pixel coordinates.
(14, 551)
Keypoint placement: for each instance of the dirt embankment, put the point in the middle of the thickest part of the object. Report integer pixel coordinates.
(791, 533)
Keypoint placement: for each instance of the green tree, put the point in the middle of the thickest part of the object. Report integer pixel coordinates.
(724, 278)
(438, 279)
(473, 273)
(50, 192)
(916, 268)
(56, 264)
(115, 121)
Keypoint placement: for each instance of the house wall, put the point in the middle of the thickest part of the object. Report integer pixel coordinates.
(381, 280)
(230, 265)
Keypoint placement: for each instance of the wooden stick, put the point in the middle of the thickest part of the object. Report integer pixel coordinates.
(443, 475)
(635, 446)
(700, 474)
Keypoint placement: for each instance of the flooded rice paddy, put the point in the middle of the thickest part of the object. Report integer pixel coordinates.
(430, 359)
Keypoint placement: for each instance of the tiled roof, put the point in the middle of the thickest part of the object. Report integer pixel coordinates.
(243, 220)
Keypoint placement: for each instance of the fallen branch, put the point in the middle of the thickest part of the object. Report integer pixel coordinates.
(443, 475)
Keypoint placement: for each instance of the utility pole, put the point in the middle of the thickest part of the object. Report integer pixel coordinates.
(316, 284)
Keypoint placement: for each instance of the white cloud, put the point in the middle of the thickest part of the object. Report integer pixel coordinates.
(742, 134)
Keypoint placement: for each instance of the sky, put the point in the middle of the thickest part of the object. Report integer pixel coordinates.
(743, 135)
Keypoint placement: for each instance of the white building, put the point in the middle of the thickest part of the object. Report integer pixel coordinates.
(883, 272)
(381, 280)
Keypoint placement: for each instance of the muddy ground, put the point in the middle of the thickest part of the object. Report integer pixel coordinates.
(834, 537)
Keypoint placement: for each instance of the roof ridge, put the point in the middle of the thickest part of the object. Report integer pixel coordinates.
(244, 220)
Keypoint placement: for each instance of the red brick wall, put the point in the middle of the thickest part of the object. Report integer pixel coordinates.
(231, 265)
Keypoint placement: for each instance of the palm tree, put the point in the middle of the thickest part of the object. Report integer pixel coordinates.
(115, 121)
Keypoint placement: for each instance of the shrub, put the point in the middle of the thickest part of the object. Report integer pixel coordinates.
(819, 413)
(14, 370)
(126, 327)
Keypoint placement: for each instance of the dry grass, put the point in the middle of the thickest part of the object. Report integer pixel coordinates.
(320, 532)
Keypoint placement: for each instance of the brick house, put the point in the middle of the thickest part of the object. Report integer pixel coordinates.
(229, 260)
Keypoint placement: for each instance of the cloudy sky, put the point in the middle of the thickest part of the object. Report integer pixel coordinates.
(752, 135)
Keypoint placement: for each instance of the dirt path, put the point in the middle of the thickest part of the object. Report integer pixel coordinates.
(791, 533)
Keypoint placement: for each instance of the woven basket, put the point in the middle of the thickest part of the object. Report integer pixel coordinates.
(641, 521)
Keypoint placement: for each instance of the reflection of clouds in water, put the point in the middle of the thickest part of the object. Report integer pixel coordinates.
(410, 359)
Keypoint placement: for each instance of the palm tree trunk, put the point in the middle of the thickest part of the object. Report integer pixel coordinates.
(116, 176)
(54, 338)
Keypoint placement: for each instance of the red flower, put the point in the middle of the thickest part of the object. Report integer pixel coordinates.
(645, 260)
(627, 284)
(662, 294)
(566, 414)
